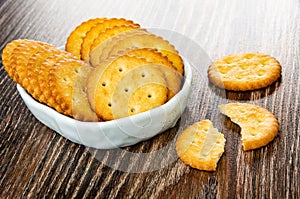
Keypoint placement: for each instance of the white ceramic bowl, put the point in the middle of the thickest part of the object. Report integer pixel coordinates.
(116, 133)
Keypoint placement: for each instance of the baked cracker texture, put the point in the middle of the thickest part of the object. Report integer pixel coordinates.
(244, 71)
(258, 125)
(75, 39)
(124, 86)
(97, 34)
(201, 146)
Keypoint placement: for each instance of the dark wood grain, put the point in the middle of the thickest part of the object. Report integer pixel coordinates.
(37, 162)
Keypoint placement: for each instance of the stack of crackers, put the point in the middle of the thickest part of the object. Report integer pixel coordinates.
(111, 68)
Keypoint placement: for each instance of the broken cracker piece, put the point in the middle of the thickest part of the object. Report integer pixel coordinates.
(258, 125)
(201, 146)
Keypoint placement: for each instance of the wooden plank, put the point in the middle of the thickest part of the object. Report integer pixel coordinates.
(37, 162)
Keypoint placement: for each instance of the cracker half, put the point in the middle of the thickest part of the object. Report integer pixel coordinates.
(201, 146)
(244, 71)
(258, 125)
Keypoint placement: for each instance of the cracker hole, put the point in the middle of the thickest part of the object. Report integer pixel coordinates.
(242, 111)
(259, 120)
(143, 75)
(126, 90)
(248, 56)
(132, 110)
(253, 134)
(260, 73)
(109, 104)
(103, 84)
(149, 96)
(120, 69)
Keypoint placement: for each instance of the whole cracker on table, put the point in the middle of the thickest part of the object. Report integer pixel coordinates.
(144, 87)
(200, 146)
(96, 35)
(258, 125)
(244, 71)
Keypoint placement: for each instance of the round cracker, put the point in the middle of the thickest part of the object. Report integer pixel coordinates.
(101, 52)
(200, 146)
(173, 78)
(108, 78)
(258, 125)
(21, 57)
(74, 41)
(6, 55)
(148, 40)
(95, 35)
(102, 45)
(43, 72)
(17, 57)
(33, 66)
(68, 79)
(244, 71)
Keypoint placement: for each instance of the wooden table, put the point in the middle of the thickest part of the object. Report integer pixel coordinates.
(37, 162)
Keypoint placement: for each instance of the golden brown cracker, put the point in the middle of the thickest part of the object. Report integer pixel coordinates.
(74, 40)
(16, 58)
(67, 80)
(95, 35)
(108, 77)
(33, 68)
(21, 56)
(43, 78)
(148, 40)
(258, 125)
(101, 52)
(143, 88)
(6, 55)
(244, 71)
(172, 76)
(200, 146)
